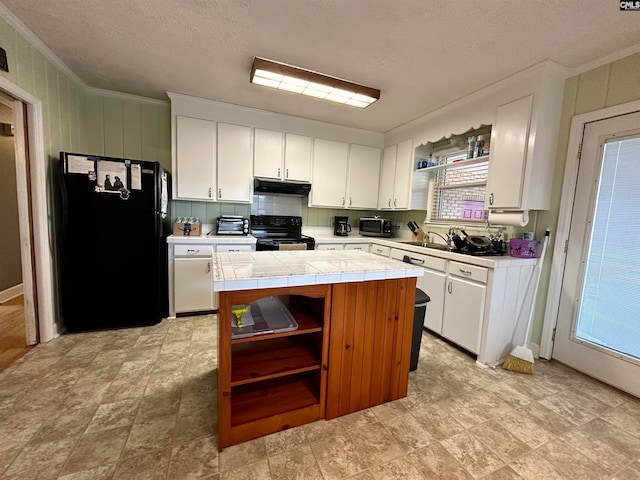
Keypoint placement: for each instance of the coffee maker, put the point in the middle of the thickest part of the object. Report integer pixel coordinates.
(341, 227)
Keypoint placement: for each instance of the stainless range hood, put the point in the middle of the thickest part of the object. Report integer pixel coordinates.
(263, 186)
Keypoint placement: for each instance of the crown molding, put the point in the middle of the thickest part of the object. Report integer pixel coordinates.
(607, 59)
(31, 38)
(126, 96)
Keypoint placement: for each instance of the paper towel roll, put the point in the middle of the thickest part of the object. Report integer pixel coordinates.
(515, 219)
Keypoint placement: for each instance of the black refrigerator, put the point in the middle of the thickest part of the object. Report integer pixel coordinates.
(112, 242)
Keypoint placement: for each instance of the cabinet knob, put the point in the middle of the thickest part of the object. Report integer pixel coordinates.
(450, 288)
(208, 267)
(219, 193)
(342, 200)
(389, 202)
(491, 199)
(349, 201)
(278, 171)
(394, 201)
(287, 173)
(465, 272)
(209, 192)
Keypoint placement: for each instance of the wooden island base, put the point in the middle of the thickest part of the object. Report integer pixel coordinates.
(351, 351)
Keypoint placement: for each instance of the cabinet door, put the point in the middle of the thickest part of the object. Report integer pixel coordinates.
(433, 284)
(297, 157)
(267, 156)
(364, 176)
(364, 247)
(463, 312)
(195, 158)
(509, 139)
(193, 280)
(387, 178)
(235, 163)
(329, 173)
(330, 246)
(404, 169)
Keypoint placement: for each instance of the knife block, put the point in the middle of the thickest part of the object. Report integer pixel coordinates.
(420, 237)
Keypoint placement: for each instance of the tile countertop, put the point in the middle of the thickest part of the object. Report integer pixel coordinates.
(249, 270)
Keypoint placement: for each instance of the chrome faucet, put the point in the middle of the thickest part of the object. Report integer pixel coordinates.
(446, 239)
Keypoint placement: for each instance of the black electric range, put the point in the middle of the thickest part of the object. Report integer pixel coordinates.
(280, 232)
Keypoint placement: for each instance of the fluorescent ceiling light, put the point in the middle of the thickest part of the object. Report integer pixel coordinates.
(306, 82)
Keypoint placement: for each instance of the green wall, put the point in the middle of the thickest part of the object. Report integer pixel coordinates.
(612, 84)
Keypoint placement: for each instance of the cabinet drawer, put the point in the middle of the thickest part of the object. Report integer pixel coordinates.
(330, 246)
(419, 259)
(234, 248)
(471, 272)
(357, 246)
(192, 250)
(380, 250)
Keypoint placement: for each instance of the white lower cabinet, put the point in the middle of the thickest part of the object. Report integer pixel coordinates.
(235, 248)
(330, 246)
(193, 284)
(463, 312)
(380, 250)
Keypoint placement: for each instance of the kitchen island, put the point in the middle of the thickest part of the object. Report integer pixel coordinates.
(354, 312)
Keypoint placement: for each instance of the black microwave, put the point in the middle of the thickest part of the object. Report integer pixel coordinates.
(375, 227)
(232, 225)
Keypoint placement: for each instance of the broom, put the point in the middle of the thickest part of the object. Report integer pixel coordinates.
(521, 357)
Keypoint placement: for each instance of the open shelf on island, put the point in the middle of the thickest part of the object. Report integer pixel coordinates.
(307, 323)
(257, 401)
(259, 361)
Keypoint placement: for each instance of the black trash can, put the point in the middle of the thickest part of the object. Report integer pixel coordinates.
(419, 309)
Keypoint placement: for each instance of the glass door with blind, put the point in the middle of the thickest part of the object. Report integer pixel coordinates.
(598, 330)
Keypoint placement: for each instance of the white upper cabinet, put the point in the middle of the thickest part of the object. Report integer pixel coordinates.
(268, 154)
(297, 157)
(395, 176)
(282, 156)
(509, 139)
(235, 163)
(195, 152)
(364, 175)
(330, 159)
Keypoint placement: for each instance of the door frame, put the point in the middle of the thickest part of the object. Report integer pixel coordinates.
(559, 257)
(31, 176)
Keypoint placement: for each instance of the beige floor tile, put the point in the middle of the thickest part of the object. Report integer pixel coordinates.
(143, 353)
(125, 388)
(86, 395)
(398, 469)
(98, 373)
(408, 432)
(509, 393)
(158, 405)
(500, 440)
(44, 460)
(435, 462)
(150, 466)
(534, 466)
(98, 473)
(134, 369)
(605, 444)
(437, 422)
(323, 429)
(232, 458)
(17, 430)
(290, 439)
(7, 457)
(358, 419)
(389, 410)
(476, 407)
(567, 409)
(298, 464)
(153, 434)
(626, 417)
(365, 475)
(114, 415)
(375, 444)
(194, 460)
(338, 457)
(570, 462)
(535, 424)
(164, 382)
(97, 449)
(504, 473)
(195, 424)
(603, 393)
(255, 471)
(64, 424)
(474, 456)
(632, 472)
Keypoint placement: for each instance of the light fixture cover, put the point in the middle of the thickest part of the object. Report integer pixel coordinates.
(281, 76)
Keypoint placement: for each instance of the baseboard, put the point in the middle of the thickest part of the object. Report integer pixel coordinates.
(11, 293)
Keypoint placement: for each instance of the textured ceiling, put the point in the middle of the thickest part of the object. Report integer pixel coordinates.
(421, 54)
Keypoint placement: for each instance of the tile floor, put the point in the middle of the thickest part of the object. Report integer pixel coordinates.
(140, 404)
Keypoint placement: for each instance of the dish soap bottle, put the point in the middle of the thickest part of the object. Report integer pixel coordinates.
(471, 146)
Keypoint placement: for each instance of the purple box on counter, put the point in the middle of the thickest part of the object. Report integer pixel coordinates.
(523, 248)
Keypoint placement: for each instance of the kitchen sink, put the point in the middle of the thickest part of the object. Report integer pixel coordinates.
(437, 246)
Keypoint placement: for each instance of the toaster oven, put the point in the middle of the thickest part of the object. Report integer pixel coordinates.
(232, 225)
